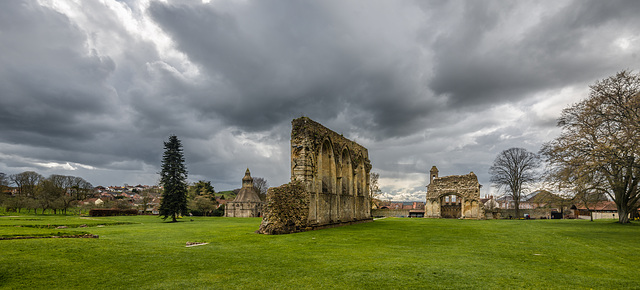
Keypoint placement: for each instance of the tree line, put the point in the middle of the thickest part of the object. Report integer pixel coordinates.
(596, 156)
(59, 193)
(34, 192)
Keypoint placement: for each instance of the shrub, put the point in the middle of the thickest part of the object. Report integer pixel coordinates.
(219, 211)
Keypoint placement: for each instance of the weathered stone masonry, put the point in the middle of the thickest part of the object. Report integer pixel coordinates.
(334, 171)
(455, 196)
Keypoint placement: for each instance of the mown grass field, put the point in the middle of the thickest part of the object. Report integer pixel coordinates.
(143, 252)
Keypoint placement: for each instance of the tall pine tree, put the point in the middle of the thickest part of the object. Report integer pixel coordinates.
(173, 178)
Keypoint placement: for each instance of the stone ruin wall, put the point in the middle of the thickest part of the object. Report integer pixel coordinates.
(465, 187)
(334, 171)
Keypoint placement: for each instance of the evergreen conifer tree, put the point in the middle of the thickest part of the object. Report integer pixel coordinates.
(173, 178)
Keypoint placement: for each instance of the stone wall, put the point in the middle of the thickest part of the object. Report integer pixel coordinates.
(535, 213)
(334, 171)
(286, 210)
(390, 212)
(243, 209)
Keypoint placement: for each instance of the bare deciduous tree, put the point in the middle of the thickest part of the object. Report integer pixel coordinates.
(80, 188)
(261, 186)
(374, 188)
(4, 187)
(27, 187)
(4, 182)
(26, 182)
(512, 171)
(576, 185)
(601, 137)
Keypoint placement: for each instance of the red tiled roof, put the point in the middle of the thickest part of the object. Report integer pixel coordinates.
(600, 205)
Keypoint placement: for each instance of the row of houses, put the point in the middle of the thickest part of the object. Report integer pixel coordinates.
(555, 206)
(539, 204)
(127, 188)
(123, 197)
(147, 203)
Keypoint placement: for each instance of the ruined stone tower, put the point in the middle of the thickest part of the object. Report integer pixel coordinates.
(433, 174)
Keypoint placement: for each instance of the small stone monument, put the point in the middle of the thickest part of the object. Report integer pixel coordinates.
(247, 203)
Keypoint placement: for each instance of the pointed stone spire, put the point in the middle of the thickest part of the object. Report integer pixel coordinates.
(247, 180)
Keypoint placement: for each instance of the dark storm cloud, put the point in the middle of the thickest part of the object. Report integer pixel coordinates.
(283, 59)
(58, 102)
(48, 83)
(93, 88)
(475, 66)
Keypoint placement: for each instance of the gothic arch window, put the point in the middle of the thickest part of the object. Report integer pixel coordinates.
(346, 173)
(326, 168)
(360, 182)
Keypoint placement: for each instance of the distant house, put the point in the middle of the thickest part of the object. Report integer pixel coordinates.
(538, 204)
(154, 205)
(106, 196)
(220, 201)
(600, 210)
(89, 201)
(534, 200)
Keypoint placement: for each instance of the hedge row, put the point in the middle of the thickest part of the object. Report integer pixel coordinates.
(112, 212)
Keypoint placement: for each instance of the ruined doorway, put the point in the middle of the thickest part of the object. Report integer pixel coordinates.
(463, 192)
(451, 207)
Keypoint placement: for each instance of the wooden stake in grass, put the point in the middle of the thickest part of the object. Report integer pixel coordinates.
(193, 244)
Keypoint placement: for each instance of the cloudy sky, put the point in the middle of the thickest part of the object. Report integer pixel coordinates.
(93, 88)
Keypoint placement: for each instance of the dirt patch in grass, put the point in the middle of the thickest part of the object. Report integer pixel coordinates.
(85, 236)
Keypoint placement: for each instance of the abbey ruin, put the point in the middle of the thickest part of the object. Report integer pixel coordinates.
(455, 196)
(334, 171)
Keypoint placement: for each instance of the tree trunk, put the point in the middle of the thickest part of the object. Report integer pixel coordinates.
(623, 215)
(173, 217)
(591, 215)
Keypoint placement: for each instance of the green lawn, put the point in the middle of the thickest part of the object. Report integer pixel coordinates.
(144, 252)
